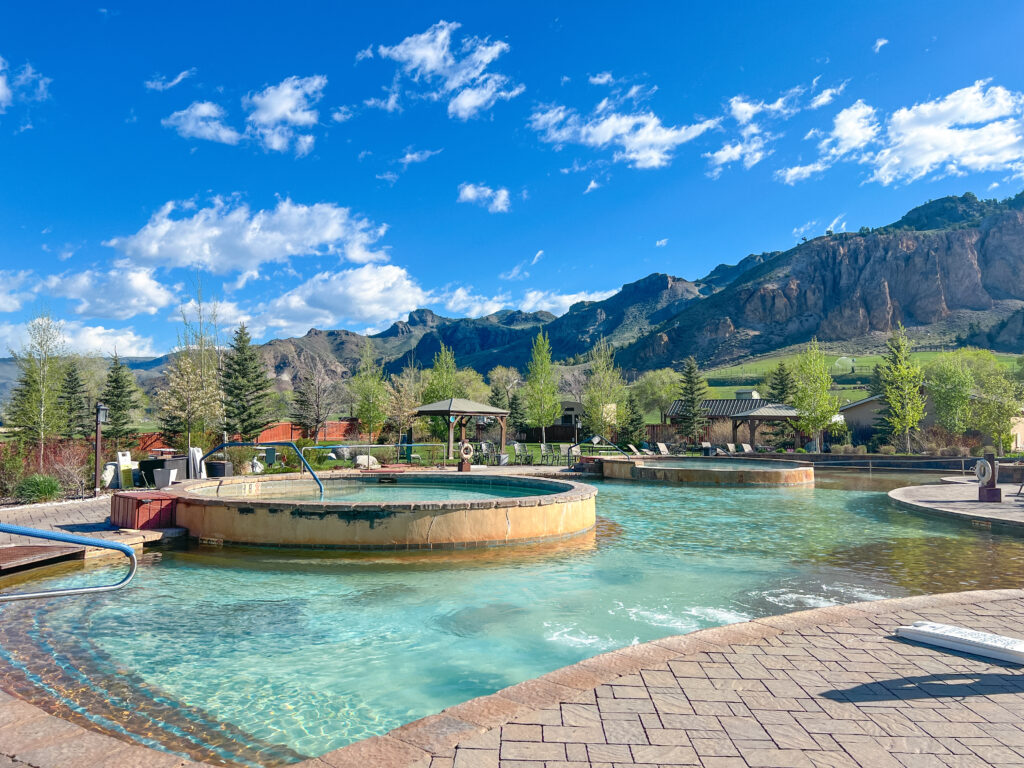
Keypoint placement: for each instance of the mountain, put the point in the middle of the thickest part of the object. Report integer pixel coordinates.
(943, 265)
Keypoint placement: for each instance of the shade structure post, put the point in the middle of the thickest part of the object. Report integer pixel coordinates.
(752, 431)
(451, 438)
(501, 421)
(735, 430)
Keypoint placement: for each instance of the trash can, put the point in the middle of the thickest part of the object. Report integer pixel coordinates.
(271, 456)
(219, 469)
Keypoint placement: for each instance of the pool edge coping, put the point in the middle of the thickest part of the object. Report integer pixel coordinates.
(415, 744)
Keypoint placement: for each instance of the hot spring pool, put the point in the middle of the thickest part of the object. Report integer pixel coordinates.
(298, 653)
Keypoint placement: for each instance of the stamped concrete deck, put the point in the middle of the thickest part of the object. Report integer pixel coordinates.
(960, 500)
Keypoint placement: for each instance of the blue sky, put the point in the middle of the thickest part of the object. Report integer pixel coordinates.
(339, 166)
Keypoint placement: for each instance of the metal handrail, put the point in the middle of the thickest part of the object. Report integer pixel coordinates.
(285, 443)
(68, 538)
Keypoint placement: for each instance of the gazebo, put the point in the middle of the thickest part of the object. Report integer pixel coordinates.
(767, 411)
(458, 411)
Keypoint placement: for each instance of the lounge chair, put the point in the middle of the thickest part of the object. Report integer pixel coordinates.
(746, 448)
(663, 449)
(730, 447)
(647, 451)
(633, 449)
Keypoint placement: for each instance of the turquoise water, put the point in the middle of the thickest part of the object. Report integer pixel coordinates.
(371, 490)
(300, 653)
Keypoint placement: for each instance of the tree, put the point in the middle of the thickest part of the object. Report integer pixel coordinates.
(74, 403)
(781, 385)
(997, 399)
(470, 384)
(35, 411)
(370, 390)
(442, 384)
(540, 395)
(692, 391)
(503, 381)
(656, 390)
(875, 384)
(121, 396)
(516, 414)
(902, 381)
(633, 425)
(815, 404)
(192, 403)
(405, 395)
(574, 383)
(949, 382)
(248, 390)
(604, 392)
(315, 398)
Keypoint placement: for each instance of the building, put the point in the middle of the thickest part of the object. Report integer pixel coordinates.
(748, 407)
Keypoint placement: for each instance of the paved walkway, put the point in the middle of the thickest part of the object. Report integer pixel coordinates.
(960, 500)
(828, 688)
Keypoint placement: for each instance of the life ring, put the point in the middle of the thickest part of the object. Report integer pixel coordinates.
(466, 451)
(983, 471)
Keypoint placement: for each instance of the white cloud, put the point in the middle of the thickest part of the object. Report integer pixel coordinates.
(751, 148)
(853, 129)
(837, 224)
(878, 44)
(827, 96)
(341, 114)
(802, 231)
(601, 78)
(11, 297)
(744, 110)
(226, 236)
(977, 128)
(558, 303)
(518, 272)
(161, 83)
(27, 84)
(120, 293)
(591, 187)
(366, 53)
(86, 339)
(661, 243)
(463, 301)
(390, 104)
(642, 140)
(277, 110)
(389, 176)
(496, 200)
(536, 257)
(202, 120)
(229, 313)
(367, 295)
(460, 76)
(422, 156)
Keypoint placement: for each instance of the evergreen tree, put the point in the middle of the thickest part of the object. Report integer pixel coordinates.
(902, 380)
(121, 396)
(34, 410)
(516, 414)
(370, 390)
(247, 389)
(781, 385)
(543, 406)
(691, 416)
(815, 404)
(633, 425)
(74, 405)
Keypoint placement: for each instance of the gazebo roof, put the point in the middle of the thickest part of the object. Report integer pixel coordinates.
(768, 411)
(459, 406)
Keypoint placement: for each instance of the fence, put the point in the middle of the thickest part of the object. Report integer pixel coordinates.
(343, 429)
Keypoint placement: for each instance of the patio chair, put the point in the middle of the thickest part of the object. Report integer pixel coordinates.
(563, 453)
(545, 453)
(486, 452)
(574, 453)
(730, 447)
(746, 448)
(647, 452)
(663, 449)
(633, 450)
(522, 454)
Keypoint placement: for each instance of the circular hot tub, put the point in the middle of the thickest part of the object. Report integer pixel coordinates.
(724, 471)
(406, 510)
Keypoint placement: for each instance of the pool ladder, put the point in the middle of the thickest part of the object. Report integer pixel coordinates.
(69, 538)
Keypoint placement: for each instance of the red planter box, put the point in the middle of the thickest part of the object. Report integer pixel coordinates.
(142, 510)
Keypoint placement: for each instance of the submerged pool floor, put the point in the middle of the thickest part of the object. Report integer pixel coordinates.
(264, 657)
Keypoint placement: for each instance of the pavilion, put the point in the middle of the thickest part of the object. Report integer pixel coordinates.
(459, 411)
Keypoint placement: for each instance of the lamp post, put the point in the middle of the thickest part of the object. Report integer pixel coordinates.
(101, 418)
(576, 423)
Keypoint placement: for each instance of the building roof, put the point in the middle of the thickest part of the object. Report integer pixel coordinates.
(860, 402)
(459, 406)
(721, 408)
(768, 411)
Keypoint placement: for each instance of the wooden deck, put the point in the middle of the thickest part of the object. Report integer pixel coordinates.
(16, 557)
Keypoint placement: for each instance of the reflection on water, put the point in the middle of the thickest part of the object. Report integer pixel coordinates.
(301, 652)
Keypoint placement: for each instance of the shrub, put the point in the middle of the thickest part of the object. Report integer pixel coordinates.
(989, 449)
(241, 459)
(863, 449)
(800, 450)
(887, 450)
(70, 461)
(12, 468)
(38, 488)
(951, 450)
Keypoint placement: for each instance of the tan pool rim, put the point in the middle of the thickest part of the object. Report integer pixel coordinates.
(645, 468)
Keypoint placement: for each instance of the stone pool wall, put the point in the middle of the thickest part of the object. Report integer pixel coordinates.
(246, 510)
(647, 468)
